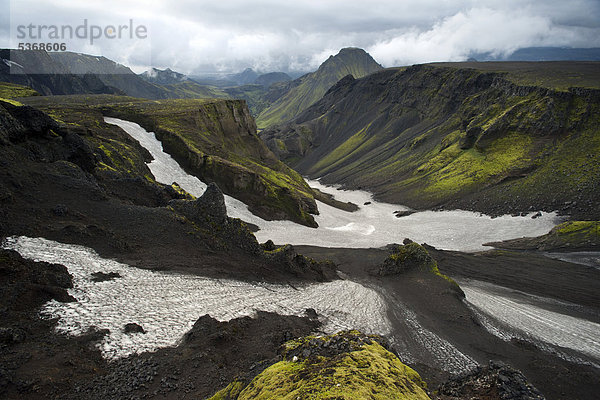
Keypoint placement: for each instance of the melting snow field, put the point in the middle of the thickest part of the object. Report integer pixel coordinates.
(520, 313)
(374, 225)
(166, 305)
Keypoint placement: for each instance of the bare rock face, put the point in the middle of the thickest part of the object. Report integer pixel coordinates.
(212, 202)
(211, 205)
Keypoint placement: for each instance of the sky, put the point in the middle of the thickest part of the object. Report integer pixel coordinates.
(277, 35)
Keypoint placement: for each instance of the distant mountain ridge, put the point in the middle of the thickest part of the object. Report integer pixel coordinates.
(272, 77)
(246, 77)
(163, 76)
(77, 73)
(22, 68)
(309, 88)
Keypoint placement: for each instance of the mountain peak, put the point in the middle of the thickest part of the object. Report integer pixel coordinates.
(245, 77)
(354, 56)
(163, 76)
(311, 87)
(352, 50)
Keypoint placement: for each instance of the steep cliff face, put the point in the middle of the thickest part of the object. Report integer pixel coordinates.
(428, 135)
(215, 140)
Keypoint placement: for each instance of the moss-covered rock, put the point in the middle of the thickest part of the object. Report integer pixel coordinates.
(413, 257)
(289, 259)
(348, 365)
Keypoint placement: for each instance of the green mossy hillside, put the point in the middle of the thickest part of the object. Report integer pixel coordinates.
(427, 136)
(363, 370)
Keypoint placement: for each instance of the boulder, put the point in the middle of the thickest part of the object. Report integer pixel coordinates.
(405, 258)
(132, 327)
(103, 276)
(211, 205)
(403, 213)
(496, 377)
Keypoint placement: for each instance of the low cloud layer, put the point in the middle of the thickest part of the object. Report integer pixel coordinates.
(198, 36)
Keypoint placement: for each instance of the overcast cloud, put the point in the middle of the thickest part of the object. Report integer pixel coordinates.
(229, 35)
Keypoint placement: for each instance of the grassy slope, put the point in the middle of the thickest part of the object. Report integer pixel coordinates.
(215, 138)
(313, 86)
(408, 139)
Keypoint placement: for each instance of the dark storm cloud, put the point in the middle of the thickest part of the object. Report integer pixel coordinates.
(229, 35)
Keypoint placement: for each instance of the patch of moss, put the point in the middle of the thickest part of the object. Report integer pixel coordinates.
(456, 169)
(11, 91)
(178, 189)
(370, 372)
(231, 392)
(585, 227)
(13, 102)
(576, 234)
